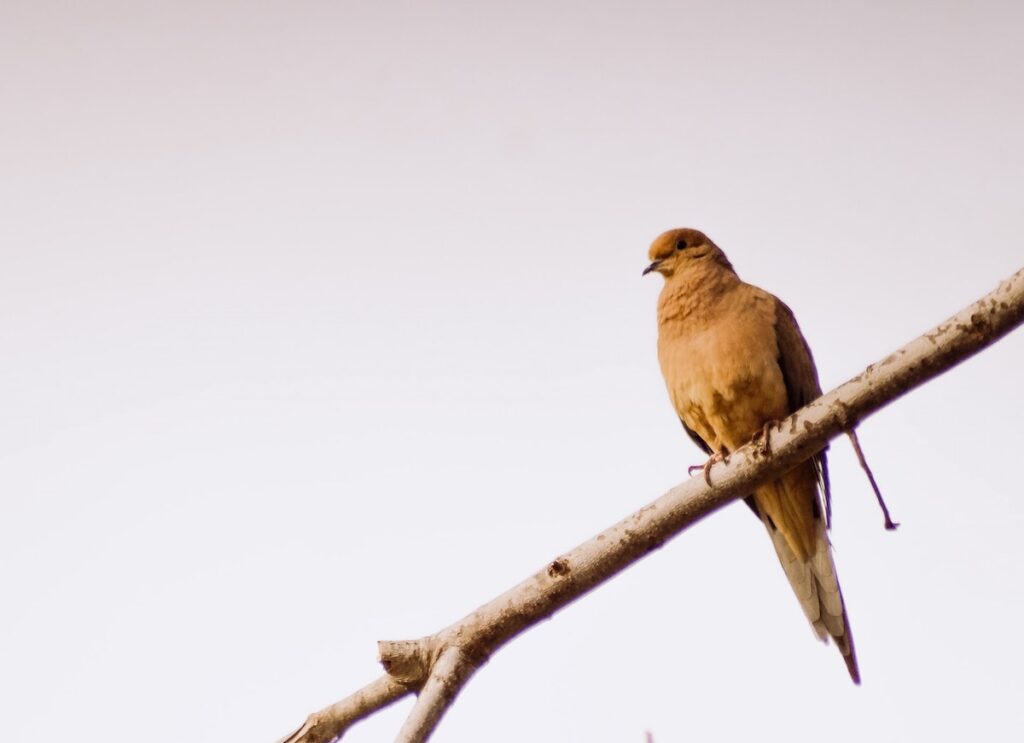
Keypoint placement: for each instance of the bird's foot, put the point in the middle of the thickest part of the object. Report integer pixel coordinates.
(706, 467)
(761, 438)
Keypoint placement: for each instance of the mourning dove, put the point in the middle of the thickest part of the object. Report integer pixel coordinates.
(734, 361)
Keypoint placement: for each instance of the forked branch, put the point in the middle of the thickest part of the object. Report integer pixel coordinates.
(438, 666)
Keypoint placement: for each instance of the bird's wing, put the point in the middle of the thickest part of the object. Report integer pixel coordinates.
(795, 359)
(802, 385)
(814, 580)
(696, 437)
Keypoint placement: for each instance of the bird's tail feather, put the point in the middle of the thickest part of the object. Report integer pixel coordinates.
(817, 588)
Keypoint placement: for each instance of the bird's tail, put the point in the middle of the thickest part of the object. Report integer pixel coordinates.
(817, 588)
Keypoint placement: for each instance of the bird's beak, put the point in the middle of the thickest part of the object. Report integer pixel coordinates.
(652, 267)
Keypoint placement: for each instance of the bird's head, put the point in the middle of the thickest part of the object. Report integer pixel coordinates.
(676, 249)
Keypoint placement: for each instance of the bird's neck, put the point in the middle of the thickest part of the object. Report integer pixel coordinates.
(689, 293)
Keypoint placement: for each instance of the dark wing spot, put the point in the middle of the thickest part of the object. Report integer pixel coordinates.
(696, 438)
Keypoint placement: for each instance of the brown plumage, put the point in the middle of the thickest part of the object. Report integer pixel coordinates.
(734, 360)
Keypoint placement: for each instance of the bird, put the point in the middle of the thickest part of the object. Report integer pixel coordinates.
(735, 363)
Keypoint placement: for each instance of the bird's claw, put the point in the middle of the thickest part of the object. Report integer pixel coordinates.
(761, 438)
(706, 467)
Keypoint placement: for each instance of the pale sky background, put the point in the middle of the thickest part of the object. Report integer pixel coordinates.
(322, 323)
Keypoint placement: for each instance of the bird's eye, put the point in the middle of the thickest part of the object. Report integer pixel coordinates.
(681, 245)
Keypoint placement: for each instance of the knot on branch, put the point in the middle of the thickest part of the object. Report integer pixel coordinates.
(980, 324)
(558, 568)
(844, 416)
(407, 661)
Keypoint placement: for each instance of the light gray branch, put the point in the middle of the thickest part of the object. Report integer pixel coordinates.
(447, 677)
(441, 664)
(331, 722)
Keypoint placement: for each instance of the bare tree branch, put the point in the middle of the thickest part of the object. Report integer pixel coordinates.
(331, 722)
(447, 677)
(442, 663)
(889, 523)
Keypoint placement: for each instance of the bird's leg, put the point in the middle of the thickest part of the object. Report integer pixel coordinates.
(761, 438)
(718, 456)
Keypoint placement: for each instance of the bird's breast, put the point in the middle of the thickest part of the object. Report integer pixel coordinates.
(724, 380)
